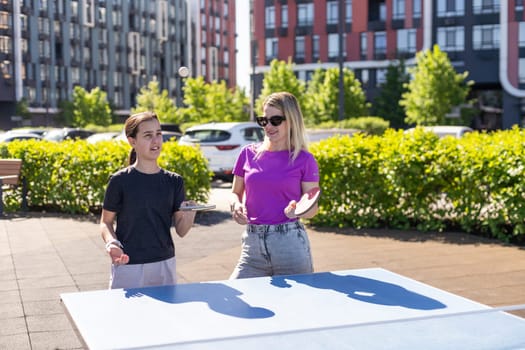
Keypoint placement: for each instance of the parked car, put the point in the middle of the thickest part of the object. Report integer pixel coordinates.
(12, 136)
(32, 131)
(102, 136)
(166, 136)
(221, 143)
(61, 134)
(445, 130)
(170, 136)
(315, 135)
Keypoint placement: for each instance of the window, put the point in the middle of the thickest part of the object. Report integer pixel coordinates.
(271, 48)
(333, 45)
(380, 43)
(406, 40)
(270, 17)
(299, 47)
(284, 16)
(5, 44)
(449, 8)
(4, 20)
(89, 13)
(315, 47)
(417, 8)
(521, 35)
(485, 37)
(162, 16)
(519, 5)
(332, 12)
(380, 76)
(522, 70)
(305, 14)
(382, 12)
(348, 11)
(451, 38)
(485, 6)
(398, 9)
(363, 45)
(6, 69)
(364, 76)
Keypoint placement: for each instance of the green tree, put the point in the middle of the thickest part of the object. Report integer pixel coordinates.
(22, 109)
(434, 90)
(311, 105)
(208, 102)
(88, 108)
(280, 77)
(323, 99)
(386, 104)
(151, 98)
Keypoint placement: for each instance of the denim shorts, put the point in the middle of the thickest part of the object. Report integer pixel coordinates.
(269, 250)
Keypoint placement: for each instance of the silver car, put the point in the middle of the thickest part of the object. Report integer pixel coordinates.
(221, 143)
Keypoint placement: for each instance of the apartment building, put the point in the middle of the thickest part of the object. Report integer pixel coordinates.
(484, 37)
(214, 42)
(47, 47)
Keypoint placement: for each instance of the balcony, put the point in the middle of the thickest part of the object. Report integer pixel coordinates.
(282, 31)
(303, 30)
(398, 23)
(376, 26)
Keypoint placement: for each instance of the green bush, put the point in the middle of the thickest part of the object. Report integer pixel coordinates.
(71, 176)
(416, 180)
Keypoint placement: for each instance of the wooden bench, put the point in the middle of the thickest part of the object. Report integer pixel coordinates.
(10, 177)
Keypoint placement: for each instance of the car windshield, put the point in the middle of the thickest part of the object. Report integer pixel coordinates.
(207, 135)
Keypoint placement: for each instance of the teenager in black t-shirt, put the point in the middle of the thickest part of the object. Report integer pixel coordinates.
(144, 200)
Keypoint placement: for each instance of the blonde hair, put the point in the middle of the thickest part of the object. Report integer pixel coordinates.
(287, 103)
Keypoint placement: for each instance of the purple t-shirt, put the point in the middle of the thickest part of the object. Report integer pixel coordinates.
(272, 181)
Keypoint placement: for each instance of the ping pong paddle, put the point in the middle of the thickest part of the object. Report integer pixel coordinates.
(307, 201)
(198, 207)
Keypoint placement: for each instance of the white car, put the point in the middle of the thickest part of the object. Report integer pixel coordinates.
(221, 143)
(315, 135)
(445, 130)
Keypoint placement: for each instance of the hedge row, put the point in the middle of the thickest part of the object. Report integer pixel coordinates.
(398, 180)
(416, 180)
(71, 176)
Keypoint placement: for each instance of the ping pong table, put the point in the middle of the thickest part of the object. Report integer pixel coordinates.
(353, 309)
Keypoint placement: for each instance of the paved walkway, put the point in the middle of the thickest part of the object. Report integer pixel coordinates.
(42, 256)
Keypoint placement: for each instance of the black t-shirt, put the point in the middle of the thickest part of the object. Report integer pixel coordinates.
(144, 204)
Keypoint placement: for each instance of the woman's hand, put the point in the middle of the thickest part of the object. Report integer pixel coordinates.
(239, 213)
(289, 211)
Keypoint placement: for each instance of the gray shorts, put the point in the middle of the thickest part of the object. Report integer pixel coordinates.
(269, 250)
(143, 275)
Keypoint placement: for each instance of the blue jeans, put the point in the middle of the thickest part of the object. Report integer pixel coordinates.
(269, 250)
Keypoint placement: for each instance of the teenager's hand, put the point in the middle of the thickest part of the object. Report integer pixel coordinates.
(117, 255)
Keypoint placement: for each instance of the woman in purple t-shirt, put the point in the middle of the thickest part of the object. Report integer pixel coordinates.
(269, 179)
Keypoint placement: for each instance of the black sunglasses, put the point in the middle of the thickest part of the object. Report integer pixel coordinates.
(276, 120)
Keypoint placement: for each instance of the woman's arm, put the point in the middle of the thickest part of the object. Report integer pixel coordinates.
(289, 211)
(236, 201)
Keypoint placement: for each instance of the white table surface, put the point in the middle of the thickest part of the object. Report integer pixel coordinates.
(353, 309)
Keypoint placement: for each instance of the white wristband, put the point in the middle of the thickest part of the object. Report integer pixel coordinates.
(113, 242)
